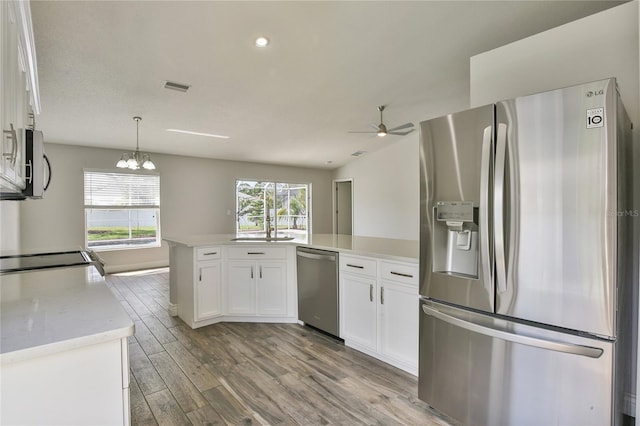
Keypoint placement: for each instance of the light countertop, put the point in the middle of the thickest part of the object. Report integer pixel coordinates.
(394, 249)
(49, 311)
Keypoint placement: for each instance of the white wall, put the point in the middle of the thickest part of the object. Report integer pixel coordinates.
(598, 46)
(386, 190)
(9, 226)
(195, 197)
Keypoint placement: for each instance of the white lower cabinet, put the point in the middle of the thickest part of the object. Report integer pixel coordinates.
(198, 272)
(257, 288)
(258, 284)
(241, 288)
(358, 317)
(86, 385)
(271, 288)
(234, 283)
(379, 309)
(208, 286)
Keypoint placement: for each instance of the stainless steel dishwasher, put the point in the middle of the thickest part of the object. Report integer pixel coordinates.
(318, 289)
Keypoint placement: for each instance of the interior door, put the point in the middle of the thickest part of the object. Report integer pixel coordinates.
(344, 208)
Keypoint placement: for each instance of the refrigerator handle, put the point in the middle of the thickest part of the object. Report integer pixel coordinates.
(485, 170)
(536, 342)
(498, 207)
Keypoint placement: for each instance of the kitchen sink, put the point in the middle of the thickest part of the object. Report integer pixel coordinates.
(262, 239)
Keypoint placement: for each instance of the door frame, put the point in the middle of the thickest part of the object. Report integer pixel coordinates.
(334, 188)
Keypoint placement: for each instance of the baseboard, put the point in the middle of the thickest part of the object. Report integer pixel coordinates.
(629, 404)
(173, 309)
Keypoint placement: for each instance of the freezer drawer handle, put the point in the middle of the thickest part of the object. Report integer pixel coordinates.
(401, 274)
(330, 257)
(569, 348)
(255, 252)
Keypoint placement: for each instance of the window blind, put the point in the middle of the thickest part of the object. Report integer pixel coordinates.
(121, 190)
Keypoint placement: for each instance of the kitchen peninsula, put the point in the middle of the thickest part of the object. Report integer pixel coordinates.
(216, 278)
(64, 349)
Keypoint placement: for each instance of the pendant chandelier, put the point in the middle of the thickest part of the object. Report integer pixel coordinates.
(135, 160)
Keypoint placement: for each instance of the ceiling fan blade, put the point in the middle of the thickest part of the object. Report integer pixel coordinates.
(401, 133)
(404, 126)
(373, 125)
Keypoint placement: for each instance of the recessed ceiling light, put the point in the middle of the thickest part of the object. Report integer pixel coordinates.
(262, 42)
(198, 133)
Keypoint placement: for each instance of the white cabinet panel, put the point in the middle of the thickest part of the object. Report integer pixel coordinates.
(241, 287)
(207, 297)
(358, 310)
(272, 288)
(399, 318)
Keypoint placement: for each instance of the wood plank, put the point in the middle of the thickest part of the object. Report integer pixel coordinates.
(205, 416)
(158, 329)
(231, 410)
(166, 410)
(147, 340)
(202, 378)
(145, 373)
(140, 411)
(185, 393)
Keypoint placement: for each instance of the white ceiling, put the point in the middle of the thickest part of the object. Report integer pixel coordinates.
(328, 67)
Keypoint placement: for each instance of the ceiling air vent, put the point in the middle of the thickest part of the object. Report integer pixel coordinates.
(176, 86)
(358, 153)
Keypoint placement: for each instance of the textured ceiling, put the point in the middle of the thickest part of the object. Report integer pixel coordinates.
(328, 67)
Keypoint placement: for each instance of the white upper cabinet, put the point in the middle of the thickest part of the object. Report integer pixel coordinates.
(19, 83)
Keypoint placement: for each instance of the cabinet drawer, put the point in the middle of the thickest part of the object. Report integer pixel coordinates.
(358, 265)
(257, 252)
(401, 272)
(207, 253)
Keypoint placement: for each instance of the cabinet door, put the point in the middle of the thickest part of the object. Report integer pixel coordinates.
(14, 94)
(241, 288)
(358, 310)
(207, 297)
(272, 288)
(399, 322)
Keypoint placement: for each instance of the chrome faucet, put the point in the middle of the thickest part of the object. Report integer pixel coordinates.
(268, 223)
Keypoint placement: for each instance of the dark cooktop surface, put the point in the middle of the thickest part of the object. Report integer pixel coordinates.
(26, 262)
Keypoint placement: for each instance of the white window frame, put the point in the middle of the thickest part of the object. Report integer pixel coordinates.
(275, 182)
(148, 205)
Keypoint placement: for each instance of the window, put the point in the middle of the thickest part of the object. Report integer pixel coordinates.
(282, 206)
(122, 210)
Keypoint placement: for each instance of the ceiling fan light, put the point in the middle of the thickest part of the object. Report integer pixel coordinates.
(381, 133)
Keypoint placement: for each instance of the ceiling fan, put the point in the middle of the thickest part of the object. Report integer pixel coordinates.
(382, 131)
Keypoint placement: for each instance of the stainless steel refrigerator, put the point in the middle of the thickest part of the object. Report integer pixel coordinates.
(526, 259)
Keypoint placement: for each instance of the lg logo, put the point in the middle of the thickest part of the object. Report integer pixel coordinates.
(596, 93)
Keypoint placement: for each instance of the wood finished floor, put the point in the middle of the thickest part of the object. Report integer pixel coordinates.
(246, 373)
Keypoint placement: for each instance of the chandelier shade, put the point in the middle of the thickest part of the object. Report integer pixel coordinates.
(135, 160)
